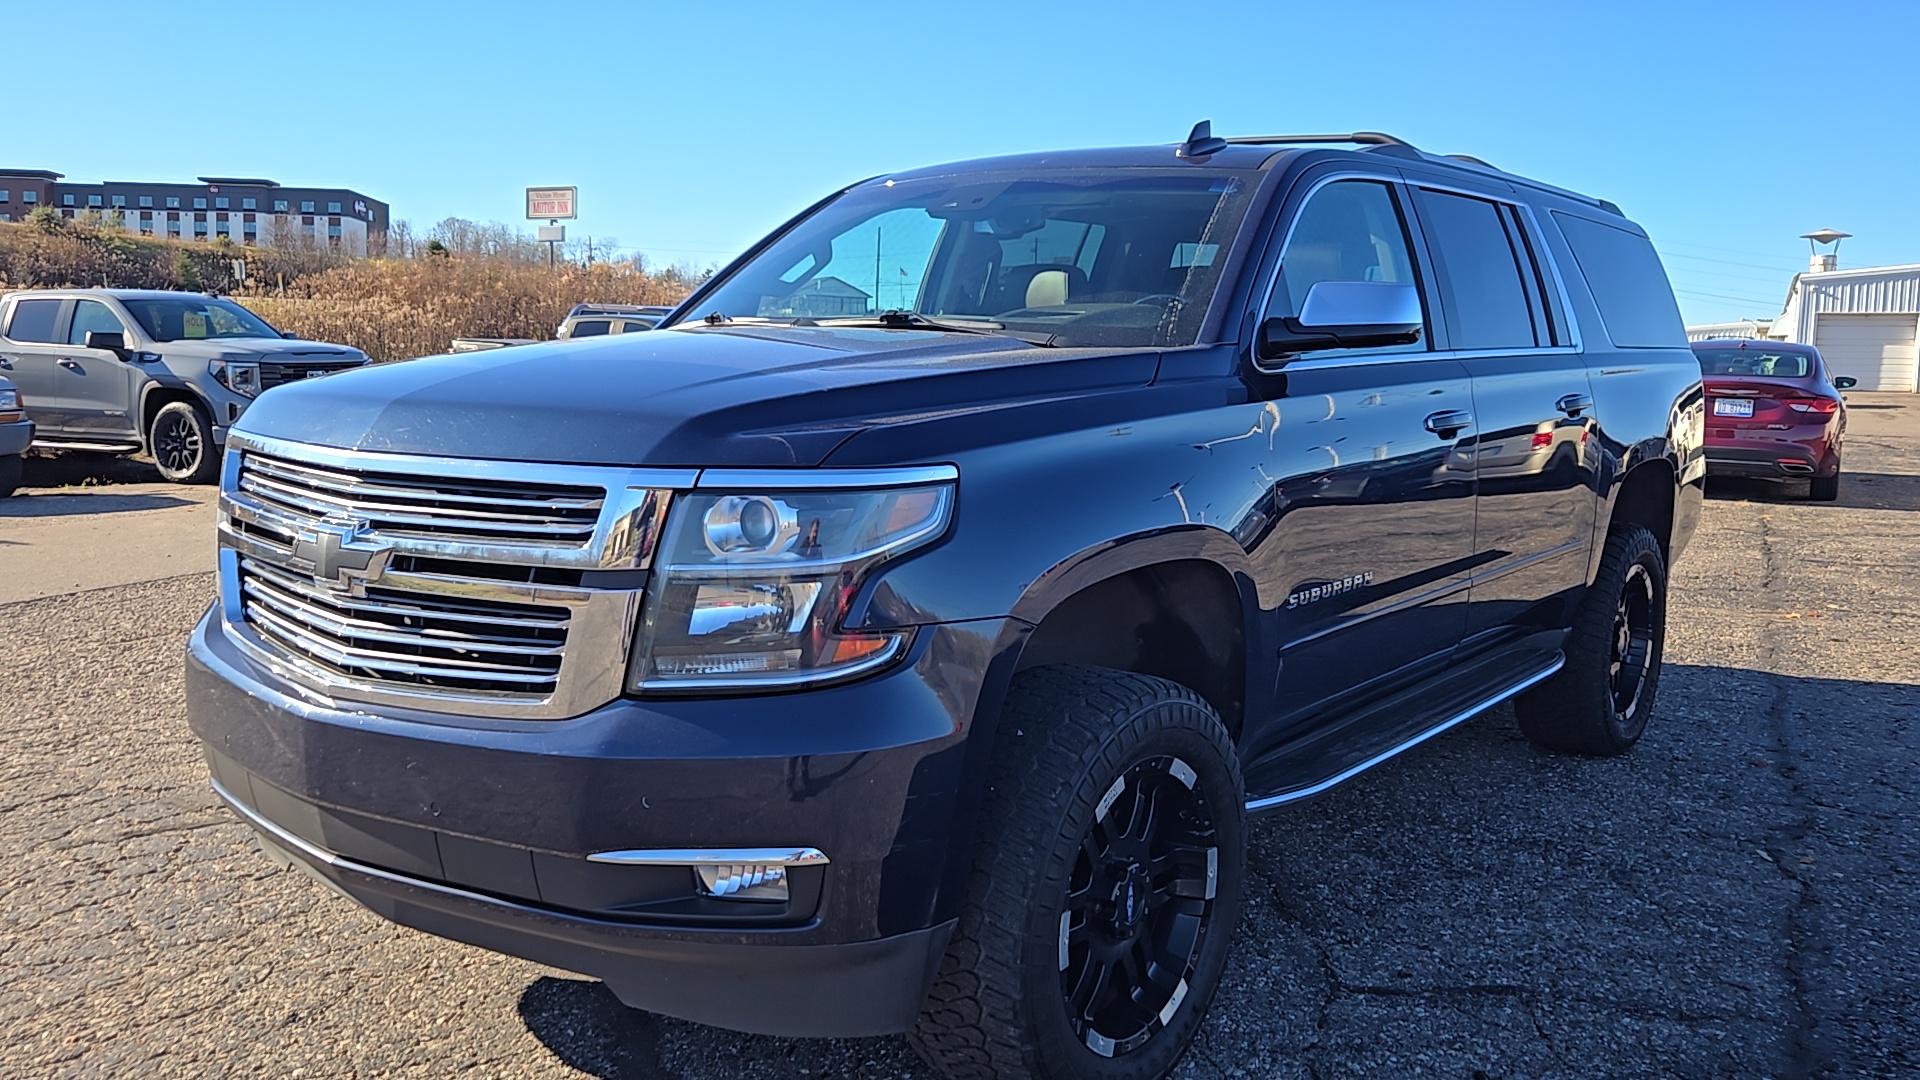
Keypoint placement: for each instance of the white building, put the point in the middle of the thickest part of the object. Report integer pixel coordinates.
(1862, 321)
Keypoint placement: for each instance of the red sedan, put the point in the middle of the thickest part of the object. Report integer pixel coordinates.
(1773, 412)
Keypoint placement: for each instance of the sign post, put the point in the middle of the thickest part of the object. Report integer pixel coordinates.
(552, 203)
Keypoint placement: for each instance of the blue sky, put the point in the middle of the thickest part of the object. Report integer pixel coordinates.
(691, 129)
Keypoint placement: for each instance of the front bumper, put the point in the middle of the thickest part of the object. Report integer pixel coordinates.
(15, 437)
(478, 830)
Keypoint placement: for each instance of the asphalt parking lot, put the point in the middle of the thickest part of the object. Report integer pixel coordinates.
(1740, 897)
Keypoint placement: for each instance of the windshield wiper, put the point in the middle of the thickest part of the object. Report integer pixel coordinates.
(896, 319)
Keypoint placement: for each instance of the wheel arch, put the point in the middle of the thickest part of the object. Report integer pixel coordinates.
(157, 394)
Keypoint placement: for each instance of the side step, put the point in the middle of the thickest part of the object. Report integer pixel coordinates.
(1316, 760)
(88, 447)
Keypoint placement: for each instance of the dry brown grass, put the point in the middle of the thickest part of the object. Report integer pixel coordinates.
(394, 309)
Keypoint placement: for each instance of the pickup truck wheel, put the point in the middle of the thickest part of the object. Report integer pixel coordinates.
(181, 442)
(10, 468)
(1598, 703)
(1105, 887)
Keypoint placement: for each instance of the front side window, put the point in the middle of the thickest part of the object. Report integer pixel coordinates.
(1487, 302)
(197, 318)
(1119, 257)
(93, 315)
(1349, 230)
(33, 320)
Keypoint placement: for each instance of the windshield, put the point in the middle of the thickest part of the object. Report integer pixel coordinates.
(1761, 361)
(193, 318)
(1108, 257)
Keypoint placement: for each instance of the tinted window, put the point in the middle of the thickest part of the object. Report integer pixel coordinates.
(589, 328)
(1628, 284)
(1487, 301)
(1349, 231)
(33, 320)
(93, 315)
(193, 319)
(1754, 360)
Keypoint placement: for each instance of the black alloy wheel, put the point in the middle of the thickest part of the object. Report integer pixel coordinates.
(1139, 902)
(181, 442)
(1105, 887)
(1599, 702)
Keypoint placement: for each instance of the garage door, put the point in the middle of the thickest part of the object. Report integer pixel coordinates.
(1876, 349)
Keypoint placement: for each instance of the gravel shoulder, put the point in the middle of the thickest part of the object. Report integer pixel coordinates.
(1735, 898)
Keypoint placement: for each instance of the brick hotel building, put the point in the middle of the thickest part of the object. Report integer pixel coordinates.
(246, 210)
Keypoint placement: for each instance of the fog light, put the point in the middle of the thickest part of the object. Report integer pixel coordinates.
(744, 881)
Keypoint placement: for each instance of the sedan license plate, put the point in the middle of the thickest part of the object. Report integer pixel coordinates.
(1732, 407)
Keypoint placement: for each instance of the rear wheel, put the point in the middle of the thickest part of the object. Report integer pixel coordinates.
(1105, 888)
(1826, 488)
(181, 442)
(10, 469)
(1598, 703)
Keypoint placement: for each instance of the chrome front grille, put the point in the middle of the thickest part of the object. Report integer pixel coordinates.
(401, 505)
(275, 372)
(409, 638)
(482, 588)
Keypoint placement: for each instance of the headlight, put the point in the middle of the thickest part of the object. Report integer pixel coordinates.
(240, 376)
(10, 406)
(753, 587)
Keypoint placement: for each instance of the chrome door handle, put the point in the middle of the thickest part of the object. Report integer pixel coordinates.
(1446, 424)
(1574, 404)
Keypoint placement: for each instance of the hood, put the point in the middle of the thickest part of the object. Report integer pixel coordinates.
(256, 349)
(757, 396)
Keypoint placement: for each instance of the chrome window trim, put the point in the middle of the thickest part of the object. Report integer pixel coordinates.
(823, 479)
(785, 856)
(1537, 233)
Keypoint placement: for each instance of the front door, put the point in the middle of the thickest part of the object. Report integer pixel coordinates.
(95, 386)
(1368, 539)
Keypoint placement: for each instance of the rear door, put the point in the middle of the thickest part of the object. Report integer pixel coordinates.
(1365, 534)
(35, 344)
(1531, 458)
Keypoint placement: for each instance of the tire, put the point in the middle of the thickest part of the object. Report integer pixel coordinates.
(181, 442)
(1599, 702)
(1826, 488)
(11, 466)
(1063, 854)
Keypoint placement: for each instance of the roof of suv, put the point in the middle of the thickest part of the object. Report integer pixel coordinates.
(122, 294)
(1249, 152)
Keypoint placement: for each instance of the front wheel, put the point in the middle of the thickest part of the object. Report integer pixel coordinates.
(1598, 703)
(1105, 889)
(181, 441)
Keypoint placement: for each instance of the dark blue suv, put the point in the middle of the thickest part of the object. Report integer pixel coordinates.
(898, 638)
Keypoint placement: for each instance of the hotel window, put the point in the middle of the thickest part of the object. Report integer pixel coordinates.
(306, 207)
(93, 200)
(173, 202)
(279, 206)
(199, 228)
(119, 201)
(333, 208)
(199, 204)
(247, 204)
(66, 200)
(333, 230)
(6, 217)
(5, 195)
(146, 202)
(29, 196)
(220, 203)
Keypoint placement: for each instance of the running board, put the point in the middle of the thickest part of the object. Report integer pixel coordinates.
(88, 447)
(1311, 763)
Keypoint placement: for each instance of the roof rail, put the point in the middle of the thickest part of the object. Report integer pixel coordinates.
(1367, 138)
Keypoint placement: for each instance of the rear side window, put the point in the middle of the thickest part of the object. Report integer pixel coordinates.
(33, 320)
(590, 328)
(1488, 304)
(1628, 284)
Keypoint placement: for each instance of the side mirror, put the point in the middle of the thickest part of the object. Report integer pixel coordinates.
(1345, 315)
(110, 340)
(1845, 382)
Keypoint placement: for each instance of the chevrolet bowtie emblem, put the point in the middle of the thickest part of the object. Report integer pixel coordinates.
(339, 555)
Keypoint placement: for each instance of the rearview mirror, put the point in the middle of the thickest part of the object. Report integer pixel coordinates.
(1845, 382)
(110, 340)
(1346, 315)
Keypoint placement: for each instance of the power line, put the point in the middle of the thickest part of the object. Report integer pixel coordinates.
(1729, 251)
(1722, 262)
(1723, 296)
